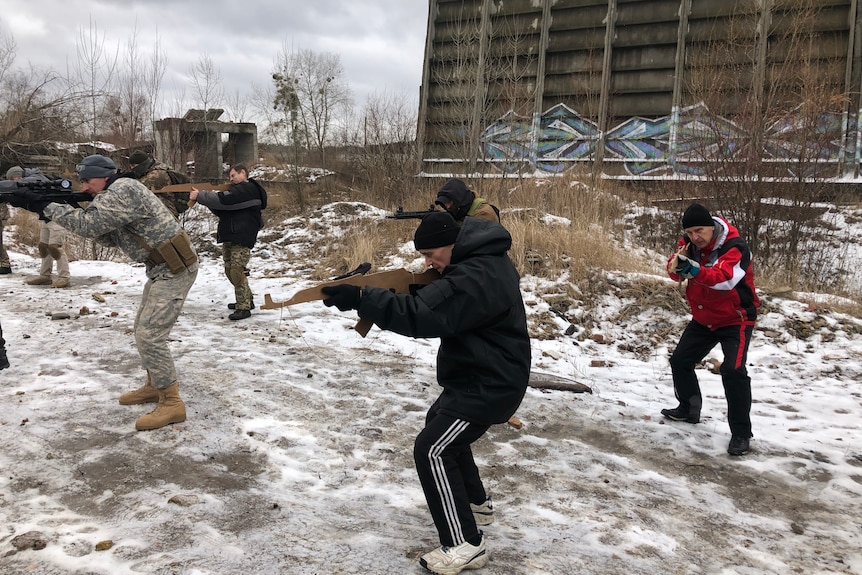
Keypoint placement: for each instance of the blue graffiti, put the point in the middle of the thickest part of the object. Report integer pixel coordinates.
(685, 142)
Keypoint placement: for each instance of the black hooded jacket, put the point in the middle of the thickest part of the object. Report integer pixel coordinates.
(238, 210)
(476, 310)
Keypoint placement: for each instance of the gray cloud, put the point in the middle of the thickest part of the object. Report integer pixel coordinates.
(380, 42)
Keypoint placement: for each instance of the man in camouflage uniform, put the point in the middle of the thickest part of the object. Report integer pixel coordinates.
(14, 172)
(5, 264)
(124, 214)
(52, 238)
(155, 176)
(4, 361)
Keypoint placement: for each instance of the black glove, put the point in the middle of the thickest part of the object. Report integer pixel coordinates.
(31, 201)
(343, 296)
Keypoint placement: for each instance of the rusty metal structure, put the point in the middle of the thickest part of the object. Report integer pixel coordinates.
(643, 88)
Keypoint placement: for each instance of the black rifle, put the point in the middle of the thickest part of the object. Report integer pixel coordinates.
(59, 191)
(400, 214)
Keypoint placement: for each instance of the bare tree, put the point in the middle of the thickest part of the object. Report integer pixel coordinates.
(129, 108)
(238, 105)
(153, 77)
(206, 82)
(763, 128)
(34, 107)
(382, 144)
(93, 73)
(315, 85)
(481, 76)
(262, 102)
(8, 52)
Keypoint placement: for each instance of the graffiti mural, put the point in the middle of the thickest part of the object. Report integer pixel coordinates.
(683, 143)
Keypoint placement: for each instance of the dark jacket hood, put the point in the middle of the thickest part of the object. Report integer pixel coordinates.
(480, 237)
(459, 194)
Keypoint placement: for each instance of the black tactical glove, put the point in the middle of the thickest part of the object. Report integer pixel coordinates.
(30, 201)
(343, 296)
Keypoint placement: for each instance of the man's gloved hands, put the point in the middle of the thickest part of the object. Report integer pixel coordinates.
(29, 200)
(686, 267)
(343, 296)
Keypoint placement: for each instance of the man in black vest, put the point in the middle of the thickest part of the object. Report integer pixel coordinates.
(239, 220)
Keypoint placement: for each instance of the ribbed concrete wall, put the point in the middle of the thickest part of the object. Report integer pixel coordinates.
(641, 87)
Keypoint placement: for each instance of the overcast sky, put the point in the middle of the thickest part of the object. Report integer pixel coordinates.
(380, 42)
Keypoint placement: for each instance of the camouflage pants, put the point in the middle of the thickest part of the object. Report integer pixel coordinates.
(160, 307)
(236, 259)
(4, 257)
(52, 240)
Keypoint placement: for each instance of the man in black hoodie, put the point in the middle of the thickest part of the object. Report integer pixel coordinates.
(239, 220)
(483, 366)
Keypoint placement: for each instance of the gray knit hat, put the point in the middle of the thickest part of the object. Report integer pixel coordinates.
(14, 172)
(96, 166)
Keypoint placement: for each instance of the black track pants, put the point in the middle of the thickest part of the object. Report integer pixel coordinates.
(696, 341)
(448, 474)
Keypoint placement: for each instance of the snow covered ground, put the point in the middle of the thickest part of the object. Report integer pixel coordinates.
(296, 457)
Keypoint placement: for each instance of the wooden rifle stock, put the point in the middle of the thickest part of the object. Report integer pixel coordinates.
(397, 280)
(188, 187)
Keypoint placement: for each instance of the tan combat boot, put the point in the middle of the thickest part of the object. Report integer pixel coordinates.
(170, 409)
(144, 394)
(39, 281)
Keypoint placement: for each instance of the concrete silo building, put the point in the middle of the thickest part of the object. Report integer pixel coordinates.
(643, 88)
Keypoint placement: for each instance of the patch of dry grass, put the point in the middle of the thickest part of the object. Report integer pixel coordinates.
(565, 224)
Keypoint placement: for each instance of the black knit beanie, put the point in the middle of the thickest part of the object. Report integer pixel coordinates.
(436, 230)
(696, 215)
(138, 157)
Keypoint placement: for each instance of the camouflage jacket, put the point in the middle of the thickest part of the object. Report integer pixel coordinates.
(156, 177)
(4, 212)
(125, 209)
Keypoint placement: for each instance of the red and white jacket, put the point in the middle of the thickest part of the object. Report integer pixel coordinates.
(723, 292)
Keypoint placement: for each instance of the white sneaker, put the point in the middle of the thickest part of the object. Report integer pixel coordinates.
(453, 560)
(484, 513)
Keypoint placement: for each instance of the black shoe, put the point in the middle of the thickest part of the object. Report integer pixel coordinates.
(738, 445)
(233, 305)
(5, 270)
(682, 413)
(4, 361)
(240, 314)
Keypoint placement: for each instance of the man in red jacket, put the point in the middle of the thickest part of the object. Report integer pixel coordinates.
(716, 261)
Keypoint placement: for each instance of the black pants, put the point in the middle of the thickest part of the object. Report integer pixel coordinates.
(448, 474)
(695, 343)
(2, 341)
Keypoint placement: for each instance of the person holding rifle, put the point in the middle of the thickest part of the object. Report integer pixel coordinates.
(123, 213)
(720, 291)
(52, 240)
(483, 366)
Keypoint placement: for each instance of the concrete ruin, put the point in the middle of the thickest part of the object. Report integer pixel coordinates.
(201, 144)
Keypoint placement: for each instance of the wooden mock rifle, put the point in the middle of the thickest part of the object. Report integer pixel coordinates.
(188, 187)
(398, 281)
